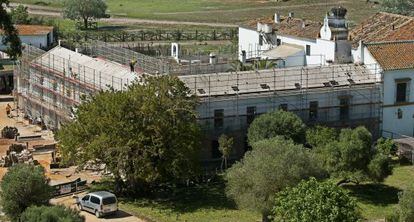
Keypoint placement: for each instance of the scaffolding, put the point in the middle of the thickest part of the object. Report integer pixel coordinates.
(345, 95)
(50, 84)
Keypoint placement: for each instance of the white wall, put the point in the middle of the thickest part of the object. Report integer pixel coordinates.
(391, 123)
(35, 40)
(249, 42)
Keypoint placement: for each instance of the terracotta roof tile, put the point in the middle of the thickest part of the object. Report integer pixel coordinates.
(383, 27)
(33, 29)
(393, 55)
(291, 26)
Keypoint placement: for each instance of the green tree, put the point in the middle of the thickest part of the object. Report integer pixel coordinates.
(277, 123)
(320, 136)
(22, 186)
(406, 205)
(84, 10)
(403, 7)
(20, 15)
(315, 201)
(225, 147)
(386, 147)
(352, 158)
(51, 214)
(271, 166)
(147, 134)
(11, 37)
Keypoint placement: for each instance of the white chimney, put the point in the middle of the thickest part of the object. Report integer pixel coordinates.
(59, 42)
(76, 50)
(259, 27)
(277, 18)
(291, 14)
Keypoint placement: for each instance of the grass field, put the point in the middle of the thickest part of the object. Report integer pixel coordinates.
(209, 203)
(224, 11)
(379, 200)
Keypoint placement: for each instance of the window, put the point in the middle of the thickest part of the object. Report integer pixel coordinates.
(308, 50)
(250, 114)
(215, 152)
(108, 200)
(95, 200)
(399, 114)
(344, 108)
(402, 93)
(313, 110)
(218, 118)
(85, 198)
(260, 40)
(283, 107)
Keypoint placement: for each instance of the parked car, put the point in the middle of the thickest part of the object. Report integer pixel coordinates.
(100, 203)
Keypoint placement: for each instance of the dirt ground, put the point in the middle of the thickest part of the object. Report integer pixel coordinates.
(120, 216)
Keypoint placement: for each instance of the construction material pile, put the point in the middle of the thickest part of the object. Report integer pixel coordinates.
(17, 153)
(9, 132)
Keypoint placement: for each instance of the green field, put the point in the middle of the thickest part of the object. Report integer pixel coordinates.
(224, 11)
(376, 201)
(209, 203)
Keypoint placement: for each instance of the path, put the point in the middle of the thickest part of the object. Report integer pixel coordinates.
(121, 216)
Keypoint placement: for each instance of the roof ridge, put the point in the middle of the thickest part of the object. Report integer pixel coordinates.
(389, 42)
(396, 15)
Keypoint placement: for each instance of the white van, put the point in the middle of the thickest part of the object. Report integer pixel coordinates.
(100, 203)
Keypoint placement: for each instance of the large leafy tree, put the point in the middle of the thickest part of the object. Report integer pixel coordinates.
(271, 166)
(84, 10)
(320, 136)
(23, 186)
(277, 123)
(20, 15)
(51, 213)
(352, 158)
(403, 7)
(145, 135)
(11, 38)
(315, 201)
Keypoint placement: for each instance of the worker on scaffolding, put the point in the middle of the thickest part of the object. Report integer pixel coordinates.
(132, 64)
(8, 110)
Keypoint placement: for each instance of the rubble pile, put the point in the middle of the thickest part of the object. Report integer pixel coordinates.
(9, 132)
(17, 153)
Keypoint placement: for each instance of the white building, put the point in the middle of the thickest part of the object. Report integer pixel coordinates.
(296, 42)
(345, 95)
(49, 84)
(396, 69)
(35, 35)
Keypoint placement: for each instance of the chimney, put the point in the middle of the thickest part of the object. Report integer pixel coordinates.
(259, 27)
(277, 18)
(303, 24)
(59, 42)
(76, 50)
(291, 14)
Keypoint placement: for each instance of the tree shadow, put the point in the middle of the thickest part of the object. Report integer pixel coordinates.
(111, 27)
(377, 194)
(189, 199)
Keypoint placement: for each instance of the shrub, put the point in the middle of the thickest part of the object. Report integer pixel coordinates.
(51, 214)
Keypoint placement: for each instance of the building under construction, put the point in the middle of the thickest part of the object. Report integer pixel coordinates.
(49, 84)
(344, 95)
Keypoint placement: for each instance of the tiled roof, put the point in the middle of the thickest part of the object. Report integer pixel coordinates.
(393, 55)
(383, 27)
(33, 29)
(291, 26)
